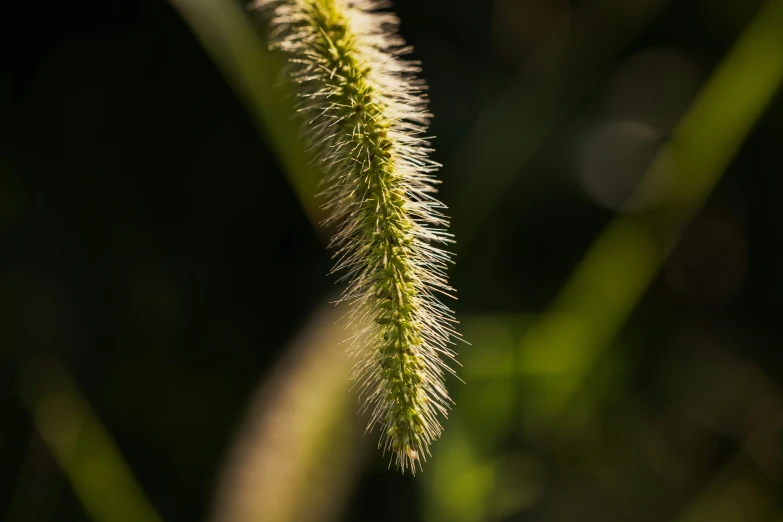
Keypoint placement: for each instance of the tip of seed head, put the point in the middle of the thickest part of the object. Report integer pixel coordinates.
(411, 453)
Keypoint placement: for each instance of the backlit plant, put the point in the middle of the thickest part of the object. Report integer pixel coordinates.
(364, 118)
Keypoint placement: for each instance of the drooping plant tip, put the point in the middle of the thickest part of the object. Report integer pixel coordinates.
(365, 117)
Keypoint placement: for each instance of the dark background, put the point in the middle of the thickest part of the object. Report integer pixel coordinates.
(150, 241)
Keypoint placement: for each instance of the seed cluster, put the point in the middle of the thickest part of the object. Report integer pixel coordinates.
(365, 117)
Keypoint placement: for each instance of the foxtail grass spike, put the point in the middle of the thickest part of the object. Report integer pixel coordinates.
(364, 117)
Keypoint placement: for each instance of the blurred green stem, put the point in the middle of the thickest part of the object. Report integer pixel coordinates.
(296, 455)
(83, 448)
(228, 35)
(617, 270)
